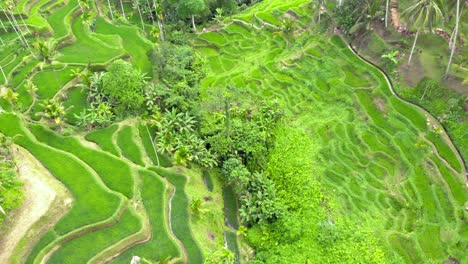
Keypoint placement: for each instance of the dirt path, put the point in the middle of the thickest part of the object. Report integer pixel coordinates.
(42, 193)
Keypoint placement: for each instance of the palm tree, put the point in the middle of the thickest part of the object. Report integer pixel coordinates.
(4, 75)
(10, 95)
(454, 37)
(123, 10)
(386, 12)
(423, 14)
(3, 26)
(17, 30)
(53, 109)
(110, 9)
(136, 5)
(46, 51)
(370, 11)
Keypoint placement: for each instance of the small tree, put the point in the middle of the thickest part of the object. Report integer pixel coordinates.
(125, 85)
(423, 14)
(192, 8)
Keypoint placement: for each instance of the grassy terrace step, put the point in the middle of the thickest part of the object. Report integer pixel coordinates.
(369, 137)
(180, 216)
(92, 202)
(103, 137)
(132, 41)
(154, 194)
(128, 146)
(86, 48)
(115, 173)
(83, 248)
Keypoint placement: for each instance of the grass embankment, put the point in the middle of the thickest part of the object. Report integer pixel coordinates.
(103, 137)
(146, 135)
(115, 173)
(128, 146)
(154, 194)
(93, 203)
(373, 147)
(84, 248)
(180, 215)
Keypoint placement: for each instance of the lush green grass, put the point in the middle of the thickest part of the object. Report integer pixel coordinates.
(75, 103)
(128, 145)
(180, 216)
(103, 137)
(132, 41)
(87, 49)
(46, 81)
(115, 173)
(154, 195)
(83, 248)
(45, 240)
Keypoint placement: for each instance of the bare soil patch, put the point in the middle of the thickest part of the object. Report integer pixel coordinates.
(46, 201)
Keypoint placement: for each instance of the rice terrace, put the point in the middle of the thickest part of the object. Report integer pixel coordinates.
(233, 131)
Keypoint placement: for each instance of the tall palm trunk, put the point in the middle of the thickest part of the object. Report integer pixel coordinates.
(412, 49)
(123, 10)
(154, 147)
(340, 2)
(3, 25)
(19, 29)
(139, 12)
(24, 23)
(386, 13)
(110, 9)
(14, 28)
(193, 24)
(151, 10)
(454, 43)
(4, 75)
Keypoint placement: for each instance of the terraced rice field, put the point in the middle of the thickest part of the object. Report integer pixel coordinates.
(389, 162)
(123, 203)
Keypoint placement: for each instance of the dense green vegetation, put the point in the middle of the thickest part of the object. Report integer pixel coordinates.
(235, 131)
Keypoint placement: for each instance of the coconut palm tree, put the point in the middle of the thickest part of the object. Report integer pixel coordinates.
(370, 11)
(422, 15)
(110, 9)
(158, 8)
(136, 5)
(15, 28)
(46, 52)
(4, 75)
(3, 26)
(454, 39)
(387, 4)
(9, 95)
(123, 10)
